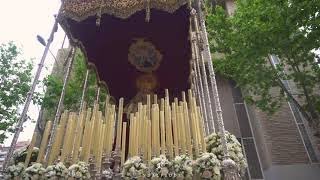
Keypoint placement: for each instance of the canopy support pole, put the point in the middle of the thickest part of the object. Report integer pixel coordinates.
(22, 118)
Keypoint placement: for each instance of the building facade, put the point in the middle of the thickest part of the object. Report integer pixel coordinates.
(277, 147)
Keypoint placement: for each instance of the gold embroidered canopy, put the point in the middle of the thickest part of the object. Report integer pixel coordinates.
(82, 9)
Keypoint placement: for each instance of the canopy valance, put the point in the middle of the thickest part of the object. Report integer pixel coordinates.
(81, 9)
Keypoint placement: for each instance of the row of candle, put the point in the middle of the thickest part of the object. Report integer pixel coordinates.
(168, 129)
(157, 128)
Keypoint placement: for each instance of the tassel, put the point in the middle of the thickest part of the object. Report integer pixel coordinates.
(230, 169)
(148, 12)
(99, 14)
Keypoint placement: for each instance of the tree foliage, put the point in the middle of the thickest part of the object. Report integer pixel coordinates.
(54, 83)
(289, 29)
(15, 81)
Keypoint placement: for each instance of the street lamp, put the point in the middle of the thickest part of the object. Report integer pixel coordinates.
(43, 42)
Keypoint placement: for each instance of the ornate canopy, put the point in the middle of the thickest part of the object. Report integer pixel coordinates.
(124, 47)
(81, 9)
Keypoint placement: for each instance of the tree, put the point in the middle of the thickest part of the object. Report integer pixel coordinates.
(53, 84)
(15, 81)
(289, 29)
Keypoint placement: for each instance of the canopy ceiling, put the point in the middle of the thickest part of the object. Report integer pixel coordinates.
(107, 46)
(82, 9)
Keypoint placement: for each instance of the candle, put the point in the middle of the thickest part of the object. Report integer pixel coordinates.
(183, 96)
(203, 143)
(30, 149)
(162, 133)
(56, 146)
(94, 119)
(194, 134)
(111, 132)
(175, 130)
(90, 136)
(137, 133)
(98, 137)
(87, 127)
(183, 133)
(153, 129)
(100, 150)
(149, 140)
(107, 107)
(144, 131)
(168, 130)
(187, 128)
(119, 128)
(44, 141)
(123, 146)
(161, 104)
(130, 135)
(78, 136)
(157, 132)
(72, 134)
(155, 99)
(148, 107)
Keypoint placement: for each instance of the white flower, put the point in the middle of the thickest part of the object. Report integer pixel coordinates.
(134, 168)
(14, 171)
(182, 167)
(208, 166)
(35, 171)
(161, 167)
(214, 146)
(58, 170)
(79, 170)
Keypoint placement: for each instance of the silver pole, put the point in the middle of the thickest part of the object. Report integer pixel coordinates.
(229, 166)
(64, 40)
(20, 122)
(197, 80)
(200, 86)
(84, 89)
(60, 104)
(197, 67)
(204, 73)
(98, 94)
(205, 124)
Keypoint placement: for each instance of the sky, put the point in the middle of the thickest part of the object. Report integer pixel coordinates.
(21, 21)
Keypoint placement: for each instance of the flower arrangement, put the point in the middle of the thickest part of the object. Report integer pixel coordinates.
(214, 146)
(15, 171)
(134, 168)
(107, 174)
(182, 167)
(160, 167)
(20, 155)
(34, 172)
(58, 170)
(208, 166)
(79, 171)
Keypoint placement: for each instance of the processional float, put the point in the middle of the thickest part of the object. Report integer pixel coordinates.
(154, 57)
